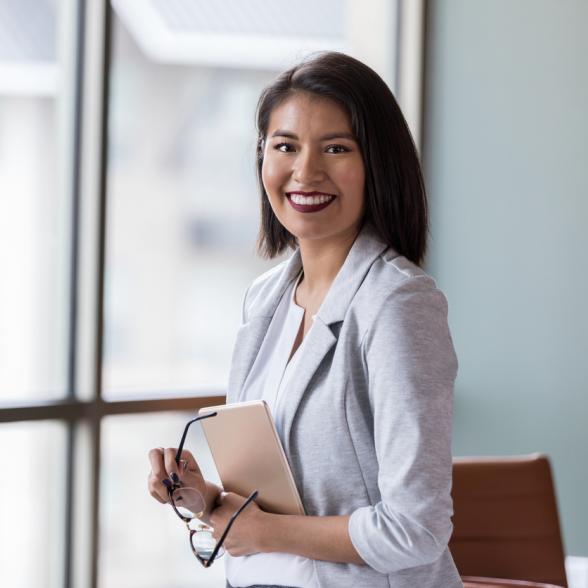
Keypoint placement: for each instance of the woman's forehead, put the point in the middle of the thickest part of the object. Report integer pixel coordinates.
(309, 114)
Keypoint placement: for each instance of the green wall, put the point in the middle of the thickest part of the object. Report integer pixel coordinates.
(506, 161)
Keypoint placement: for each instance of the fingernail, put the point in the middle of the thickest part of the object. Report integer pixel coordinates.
(174, 477)
(166, 483)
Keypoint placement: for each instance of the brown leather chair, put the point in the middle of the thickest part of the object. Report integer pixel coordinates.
(472, 582)
(505, 519)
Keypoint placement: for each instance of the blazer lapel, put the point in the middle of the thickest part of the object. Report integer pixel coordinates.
(248, 342)
(321, 338)
(318, 343)
(252, 333)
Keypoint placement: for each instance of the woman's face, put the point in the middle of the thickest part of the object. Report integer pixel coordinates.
(312, 169)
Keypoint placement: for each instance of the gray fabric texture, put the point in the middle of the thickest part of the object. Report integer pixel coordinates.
(368, 415)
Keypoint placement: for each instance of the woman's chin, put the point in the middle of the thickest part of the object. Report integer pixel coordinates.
(309, 235)
(322, 233)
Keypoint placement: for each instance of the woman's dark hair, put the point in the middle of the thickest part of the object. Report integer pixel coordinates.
(395, 197)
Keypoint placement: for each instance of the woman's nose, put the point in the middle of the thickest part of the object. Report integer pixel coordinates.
(308, 168)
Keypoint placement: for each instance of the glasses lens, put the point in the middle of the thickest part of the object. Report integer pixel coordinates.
(188, 502)
(204, 543)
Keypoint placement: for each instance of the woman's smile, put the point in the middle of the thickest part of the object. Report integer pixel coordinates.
(309, 201)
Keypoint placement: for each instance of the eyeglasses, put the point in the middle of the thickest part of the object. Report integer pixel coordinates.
(202, 542)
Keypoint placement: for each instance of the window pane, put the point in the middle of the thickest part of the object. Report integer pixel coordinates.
(162, 556)
(32, 504)
(182, 223)
(34, 209)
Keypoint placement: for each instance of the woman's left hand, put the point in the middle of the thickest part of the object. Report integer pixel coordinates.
(247, 533)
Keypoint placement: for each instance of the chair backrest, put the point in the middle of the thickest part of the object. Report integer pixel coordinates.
(474, 582)
(505, 522)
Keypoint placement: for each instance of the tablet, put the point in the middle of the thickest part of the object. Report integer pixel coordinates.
(249, 456)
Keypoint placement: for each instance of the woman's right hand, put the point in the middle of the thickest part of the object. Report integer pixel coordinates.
(165, 473)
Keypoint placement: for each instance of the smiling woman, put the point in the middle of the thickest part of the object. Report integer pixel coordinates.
(347, 342)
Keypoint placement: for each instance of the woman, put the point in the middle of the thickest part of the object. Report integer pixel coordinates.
(348, 342)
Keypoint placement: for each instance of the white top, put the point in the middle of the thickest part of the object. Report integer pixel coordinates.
(269, 377)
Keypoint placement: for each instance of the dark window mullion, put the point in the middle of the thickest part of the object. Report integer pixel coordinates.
(91, 121)
(74, 272)
(96, 425)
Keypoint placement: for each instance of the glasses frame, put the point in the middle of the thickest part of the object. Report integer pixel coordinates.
(176, 485)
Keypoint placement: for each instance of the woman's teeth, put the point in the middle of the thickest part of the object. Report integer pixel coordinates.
(308, 200)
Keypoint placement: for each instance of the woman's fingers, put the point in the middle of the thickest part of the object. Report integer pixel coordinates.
(165, 472)
(171, 467)
(158, 477)
(153, 486)
(190, 464)
(188, 473)
(187, 465)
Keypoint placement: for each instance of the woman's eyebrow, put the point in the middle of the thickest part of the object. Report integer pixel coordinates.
(327, 137)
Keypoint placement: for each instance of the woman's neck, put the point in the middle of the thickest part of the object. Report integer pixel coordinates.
(321, 262)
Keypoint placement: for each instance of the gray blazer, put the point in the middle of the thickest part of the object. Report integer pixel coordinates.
(368, 416)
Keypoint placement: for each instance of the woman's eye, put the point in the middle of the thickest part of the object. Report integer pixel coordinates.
(340, 149)
(280, 146)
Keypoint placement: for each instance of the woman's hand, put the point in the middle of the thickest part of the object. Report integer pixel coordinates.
(248, 531)
(165, 473)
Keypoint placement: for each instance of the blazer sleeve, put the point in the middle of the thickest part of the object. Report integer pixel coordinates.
(411, 365)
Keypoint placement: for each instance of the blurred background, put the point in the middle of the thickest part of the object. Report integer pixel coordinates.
(128, 218)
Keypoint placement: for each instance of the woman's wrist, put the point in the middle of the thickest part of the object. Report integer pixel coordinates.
(265, 532)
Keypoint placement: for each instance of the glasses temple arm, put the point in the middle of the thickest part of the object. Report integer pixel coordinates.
(183, 440)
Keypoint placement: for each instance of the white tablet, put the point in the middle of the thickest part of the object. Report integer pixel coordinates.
(249, 456)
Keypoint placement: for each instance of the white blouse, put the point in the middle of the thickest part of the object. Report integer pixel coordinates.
(269, 378)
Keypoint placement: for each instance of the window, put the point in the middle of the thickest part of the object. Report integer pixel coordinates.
(182, 220)
(35, 203)
(32, 508)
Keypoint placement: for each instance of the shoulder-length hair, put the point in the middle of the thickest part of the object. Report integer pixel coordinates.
(395, 197)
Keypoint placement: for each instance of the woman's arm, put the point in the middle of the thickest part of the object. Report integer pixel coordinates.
(256, 531)
(411, 368)
(323, 538)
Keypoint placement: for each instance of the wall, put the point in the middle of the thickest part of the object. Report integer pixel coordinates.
(505, 159)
